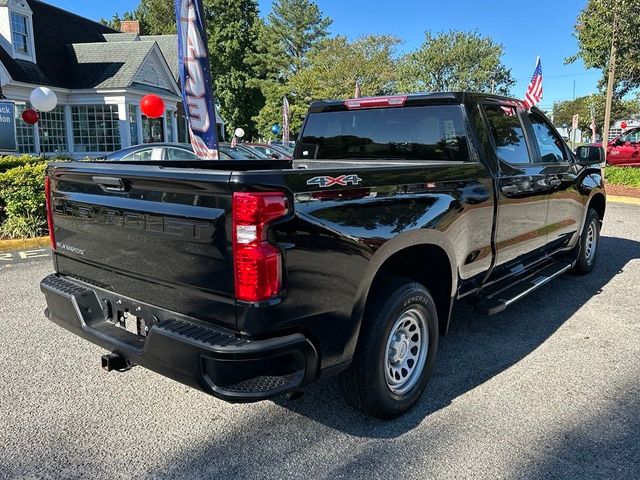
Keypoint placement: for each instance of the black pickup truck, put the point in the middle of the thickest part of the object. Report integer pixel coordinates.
(249, 279)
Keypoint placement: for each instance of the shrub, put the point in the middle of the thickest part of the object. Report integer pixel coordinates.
(629, 176)
(23, 226)
(9, 162)
(22, 190)
(22, 202)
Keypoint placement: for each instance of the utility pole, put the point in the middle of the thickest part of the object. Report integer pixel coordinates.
(610, 83)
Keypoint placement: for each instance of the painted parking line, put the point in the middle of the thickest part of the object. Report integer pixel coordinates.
(23, 256)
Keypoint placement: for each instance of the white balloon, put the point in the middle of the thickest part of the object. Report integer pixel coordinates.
(43, 99)
(239, 132)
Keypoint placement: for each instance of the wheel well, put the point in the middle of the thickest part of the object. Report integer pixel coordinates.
(425, 264)
(598, 203)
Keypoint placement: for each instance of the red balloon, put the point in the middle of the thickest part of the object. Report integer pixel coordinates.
(623, 125)
(30, 116)
(152, 106)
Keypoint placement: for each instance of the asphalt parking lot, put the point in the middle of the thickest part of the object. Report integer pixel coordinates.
(547, 389)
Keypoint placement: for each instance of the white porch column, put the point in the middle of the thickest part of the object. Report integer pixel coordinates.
(123, 125)
(174, 123)
(69, 128)
(140, 129)
(165, 137)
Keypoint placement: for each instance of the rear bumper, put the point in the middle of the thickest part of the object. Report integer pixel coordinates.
(231, 367)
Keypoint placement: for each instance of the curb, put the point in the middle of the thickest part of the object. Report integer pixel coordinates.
(617, 199)
(8, 245)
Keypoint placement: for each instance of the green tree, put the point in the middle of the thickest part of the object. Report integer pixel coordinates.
(594, 32)
(232, 39)
(455, 60)
(331, 70)
(335, 65)
(564, 111)
(157, 17)
(298, 25)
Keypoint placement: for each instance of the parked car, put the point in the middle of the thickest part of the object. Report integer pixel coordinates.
(173, 151)
(624, 150)
(252, 152)
(254, 279)
(272, 151)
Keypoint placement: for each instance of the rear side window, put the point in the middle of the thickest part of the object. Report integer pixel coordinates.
(409, 133)
(507, 133)
(549, 142)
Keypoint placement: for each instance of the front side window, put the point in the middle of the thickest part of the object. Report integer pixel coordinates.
(53, 131)
(95, 128)
(632, 136)
(507, 133)
(433, 132)
(20, 33)
(549, 142)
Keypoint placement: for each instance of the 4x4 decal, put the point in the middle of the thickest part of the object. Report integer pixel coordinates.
(342, 180)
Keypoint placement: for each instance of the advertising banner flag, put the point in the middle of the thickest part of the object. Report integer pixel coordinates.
(195, 77)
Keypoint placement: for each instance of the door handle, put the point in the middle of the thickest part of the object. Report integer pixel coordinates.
(110, 184)
(555, 182)
(509, 189)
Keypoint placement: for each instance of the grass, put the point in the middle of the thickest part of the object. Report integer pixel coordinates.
(628, 176)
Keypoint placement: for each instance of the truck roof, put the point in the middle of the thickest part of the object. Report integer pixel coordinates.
(412, 99)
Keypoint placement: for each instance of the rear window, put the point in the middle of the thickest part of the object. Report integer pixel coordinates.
(433, 132)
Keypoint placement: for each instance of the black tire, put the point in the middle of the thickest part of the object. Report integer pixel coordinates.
(365, 383)
(589, 243)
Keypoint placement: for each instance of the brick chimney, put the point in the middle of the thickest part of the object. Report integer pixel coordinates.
(130, 26)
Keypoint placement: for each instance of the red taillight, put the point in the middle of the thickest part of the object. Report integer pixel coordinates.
(375, 102)
(258, 264)
(47, 195)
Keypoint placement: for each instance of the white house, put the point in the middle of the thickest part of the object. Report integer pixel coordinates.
(99, 75)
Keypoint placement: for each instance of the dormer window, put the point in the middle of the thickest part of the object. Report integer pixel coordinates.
(20, 33)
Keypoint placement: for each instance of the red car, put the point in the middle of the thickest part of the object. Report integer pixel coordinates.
(624, 150)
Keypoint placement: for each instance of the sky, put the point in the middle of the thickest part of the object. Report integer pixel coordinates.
(524, 35)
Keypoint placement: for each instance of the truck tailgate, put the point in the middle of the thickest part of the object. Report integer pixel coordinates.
(157, 235)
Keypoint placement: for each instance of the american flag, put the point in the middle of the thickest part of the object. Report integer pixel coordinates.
(234, 141)
(285, 120)
(534, 91)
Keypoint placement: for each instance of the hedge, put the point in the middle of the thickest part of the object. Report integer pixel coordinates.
(23, 203)
(7, 163)
(628, 176)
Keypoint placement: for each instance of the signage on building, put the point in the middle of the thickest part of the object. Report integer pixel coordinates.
(8, 141)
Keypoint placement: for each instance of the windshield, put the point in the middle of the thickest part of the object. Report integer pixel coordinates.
(409, 133)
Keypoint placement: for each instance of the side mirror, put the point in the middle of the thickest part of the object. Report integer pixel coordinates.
(589, 155)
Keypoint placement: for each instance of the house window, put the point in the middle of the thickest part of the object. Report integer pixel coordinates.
(170, 126)
(183, 134)
(133, 124)
(20, 33)
(95, 128)
(152, 130)
(53, 132)
(24, 131)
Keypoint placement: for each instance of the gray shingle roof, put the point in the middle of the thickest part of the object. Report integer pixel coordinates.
(169, 47)
(107, 64)
(121, 37)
